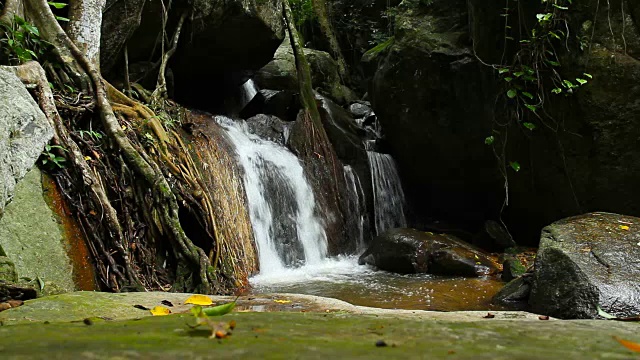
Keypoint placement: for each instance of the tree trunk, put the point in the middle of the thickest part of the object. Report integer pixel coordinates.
(85, 27)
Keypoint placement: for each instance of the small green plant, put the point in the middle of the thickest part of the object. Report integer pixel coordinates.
(59, 6)
(51, 159)
(534, 74)
(94, 135)
(21, 42)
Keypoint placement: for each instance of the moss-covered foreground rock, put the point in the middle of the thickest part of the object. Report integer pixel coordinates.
(318, 335)
(329, 328)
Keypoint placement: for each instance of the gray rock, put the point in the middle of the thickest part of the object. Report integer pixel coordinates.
(24, 131)
(119, 21)
(512, 268)
(588, 261)
(515, 294)
(281, 74)
(7, 270)
(409, 251)
(360, 109)
(32, 238)
(269, 128)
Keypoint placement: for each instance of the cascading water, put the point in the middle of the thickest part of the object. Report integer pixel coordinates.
(281, 202)
(356, 212)
(248, 92)
(388, 197)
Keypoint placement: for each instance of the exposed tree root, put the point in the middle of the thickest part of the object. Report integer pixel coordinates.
(163, 201)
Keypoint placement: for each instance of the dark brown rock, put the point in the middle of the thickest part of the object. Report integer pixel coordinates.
(408, 251)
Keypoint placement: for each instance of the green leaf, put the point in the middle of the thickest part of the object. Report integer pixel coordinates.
(529, 125)
(604, 314)
(588, 75)
(518, 74)
(57, 5)
(556, 91)
(530, 107)
(60, 18)
(581, 81)
(489, 140)
(512, 93)
(514, 165)
(508, 79)
(527, 95)
(503, 70)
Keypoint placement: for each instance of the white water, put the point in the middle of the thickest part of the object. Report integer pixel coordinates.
(248, 92)
(355, 216)
(388, 197)
(280, 199)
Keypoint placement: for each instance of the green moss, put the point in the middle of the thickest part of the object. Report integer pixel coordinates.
(318, 335)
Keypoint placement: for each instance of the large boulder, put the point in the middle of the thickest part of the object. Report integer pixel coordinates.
(281, 74)
(31, 236)
(226, 40)
(585, 262)
(120, 19)
(408, 251)
(24, 131)
(222, 41)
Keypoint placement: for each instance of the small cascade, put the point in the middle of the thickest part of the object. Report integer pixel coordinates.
(281, 202)
(388, 197)
(355, 206)
(247, 92)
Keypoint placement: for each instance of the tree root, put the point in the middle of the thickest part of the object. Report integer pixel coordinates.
(165, 202)
(33, 74)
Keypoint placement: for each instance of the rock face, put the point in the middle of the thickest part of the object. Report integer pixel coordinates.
(221, 42)
(32, 238)
(585, 262)
(24, 131)
(408, 251)
(280, 73)
(433, 97)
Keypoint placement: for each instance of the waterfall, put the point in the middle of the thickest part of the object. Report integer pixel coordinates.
(248, 91)
(388, 197)
(356, 209)
(281, 202)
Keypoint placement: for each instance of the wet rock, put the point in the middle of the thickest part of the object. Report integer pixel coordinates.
(409, 251)
(281, 74)
(493, 237)
(24, 131)
(269, 128)
(585, 262)
(281, 103)
(515, 294)
(512, 268)
(360, 109)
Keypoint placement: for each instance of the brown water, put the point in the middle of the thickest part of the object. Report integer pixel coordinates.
(344, 279)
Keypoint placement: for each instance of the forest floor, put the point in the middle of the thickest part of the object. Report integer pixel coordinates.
(106, 326)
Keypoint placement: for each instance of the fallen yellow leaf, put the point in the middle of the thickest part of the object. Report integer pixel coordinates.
(198, 299)
(282, 301)
(87, 158)
(628, 344)
(160, 311)
(624, 227)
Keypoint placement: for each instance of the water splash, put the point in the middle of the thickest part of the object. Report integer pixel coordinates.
(281, 202)
(388, 197)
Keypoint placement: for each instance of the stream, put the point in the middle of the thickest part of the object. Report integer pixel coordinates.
(342, 278)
